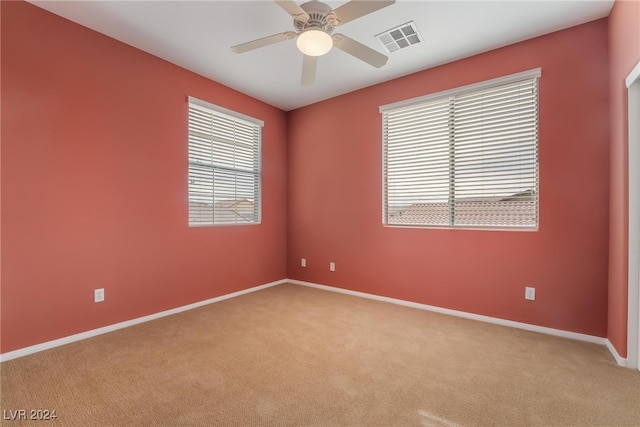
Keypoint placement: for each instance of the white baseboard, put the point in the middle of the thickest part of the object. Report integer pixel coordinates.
(472, 316)
(94, 332)
(619, 359)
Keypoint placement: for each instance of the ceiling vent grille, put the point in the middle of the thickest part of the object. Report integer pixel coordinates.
(400, 37)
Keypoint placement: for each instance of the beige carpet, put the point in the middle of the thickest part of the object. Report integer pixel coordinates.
(291, 355)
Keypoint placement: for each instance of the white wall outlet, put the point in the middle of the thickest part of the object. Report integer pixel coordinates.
(303, 262)
(530, 293)
(332, 266)
(98, 295)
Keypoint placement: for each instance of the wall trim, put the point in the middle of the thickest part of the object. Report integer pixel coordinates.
(619, 359)
(494, 320)
(633, 232)
(633, 75)
(110, 328)
(519, 325)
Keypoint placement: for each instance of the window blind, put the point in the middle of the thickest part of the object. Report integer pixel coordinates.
(224, 167)
(465, 159)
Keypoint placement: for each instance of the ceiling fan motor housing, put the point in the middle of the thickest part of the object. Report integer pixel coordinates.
(321, 17)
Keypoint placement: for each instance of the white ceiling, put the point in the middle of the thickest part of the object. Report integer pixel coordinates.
(197, 35)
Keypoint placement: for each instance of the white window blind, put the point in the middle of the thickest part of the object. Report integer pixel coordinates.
(467, 158)
(224, 166)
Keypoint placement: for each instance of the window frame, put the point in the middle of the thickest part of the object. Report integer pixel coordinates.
(448, 94)
(236, 117)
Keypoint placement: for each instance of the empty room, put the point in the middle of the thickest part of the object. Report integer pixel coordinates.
(305, 213)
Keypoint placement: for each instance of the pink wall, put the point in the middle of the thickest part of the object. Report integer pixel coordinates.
(624, 54)
(335, 188)
(94, 173)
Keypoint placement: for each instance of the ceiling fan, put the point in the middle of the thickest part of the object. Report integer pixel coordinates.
(314, 22)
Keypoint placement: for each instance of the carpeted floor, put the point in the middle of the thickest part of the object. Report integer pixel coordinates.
(291, 355)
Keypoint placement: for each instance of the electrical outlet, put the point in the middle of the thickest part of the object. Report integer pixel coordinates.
(530, 293)
(332, 266)
(303, 262)
(98, 295)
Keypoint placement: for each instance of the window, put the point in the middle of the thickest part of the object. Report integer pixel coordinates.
(465, 158)
(224, 166)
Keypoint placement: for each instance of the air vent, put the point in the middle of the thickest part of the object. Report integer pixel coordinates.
(400, 37)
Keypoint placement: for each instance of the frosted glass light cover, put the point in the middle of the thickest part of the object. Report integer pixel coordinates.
(314, 42)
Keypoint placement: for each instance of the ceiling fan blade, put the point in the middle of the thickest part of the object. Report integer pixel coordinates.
(360, 51)
(293, 9)
(265, 41)
(309, 64)
(357, 8)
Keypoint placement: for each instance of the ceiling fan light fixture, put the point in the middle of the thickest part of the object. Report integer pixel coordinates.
(314, 42)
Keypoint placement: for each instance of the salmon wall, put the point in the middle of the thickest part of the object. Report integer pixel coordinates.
(624, 52)
(335, 196)
(94, 184)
